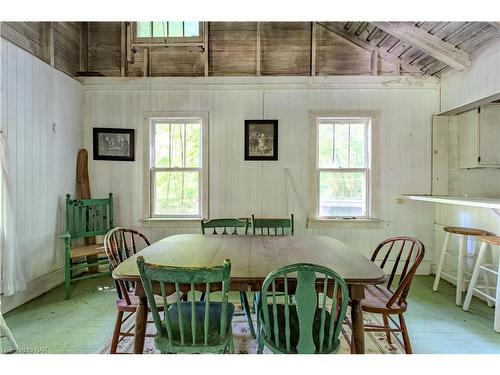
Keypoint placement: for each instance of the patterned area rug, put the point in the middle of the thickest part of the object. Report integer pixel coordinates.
(375, 342)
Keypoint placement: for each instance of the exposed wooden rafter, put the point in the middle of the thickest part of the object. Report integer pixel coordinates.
(496, 24)
(338, 29)
(427, 43)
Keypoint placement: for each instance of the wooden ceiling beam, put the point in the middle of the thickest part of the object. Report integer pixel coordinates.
(427, 43)
(338, 29)
(496, 24)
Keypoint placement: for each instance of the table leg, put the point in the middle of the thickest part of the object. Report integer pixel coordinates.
(357, 293)
(141, 317)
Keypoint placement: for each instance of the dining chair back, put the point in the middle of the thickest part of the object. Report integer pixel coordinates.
(85, 218)
(189, 326)
(271, 226)
(399, 257)
(223, 224)
(312, 323)
(120, 244)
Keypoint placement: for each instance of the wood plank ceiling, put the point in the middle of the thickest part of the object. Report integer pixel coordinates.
(260, 48)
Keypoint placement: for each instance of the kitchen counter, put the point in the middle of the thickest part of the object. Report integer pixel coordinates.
(493, 203)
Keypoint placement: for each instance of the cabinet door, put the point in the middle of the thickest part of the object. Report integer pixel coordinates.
(468, 143)
(489, 135)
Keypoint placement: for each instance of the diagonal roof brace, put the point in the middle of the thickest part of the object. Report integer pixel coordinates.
(427, 43)
(338, 29)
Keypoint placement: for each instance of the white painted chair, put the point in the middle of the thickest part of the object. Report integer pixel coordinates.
(489, 273)
(461, 257)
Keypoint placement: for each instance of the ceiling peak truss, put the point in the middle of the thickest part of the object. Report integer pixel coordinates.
(411, 45)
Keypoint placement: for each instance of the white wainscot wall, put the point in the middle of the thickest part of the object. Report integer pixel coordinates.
(41, 162)
(239, 188)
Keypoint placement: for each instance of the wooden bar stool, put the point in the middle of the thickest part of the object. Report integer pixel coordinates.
(463, 233)
(489, 270)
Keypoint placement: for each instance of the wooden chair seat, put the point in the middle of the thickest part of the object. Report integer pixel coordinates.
(295, 331)
(376, 299)
(213, 337)
(83, 251)
(467, 231)
(492, 240)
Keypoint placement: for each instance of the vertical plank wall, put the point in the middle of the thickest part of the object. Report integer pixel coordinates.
(482, 79)
(239, 188)
(41, 163)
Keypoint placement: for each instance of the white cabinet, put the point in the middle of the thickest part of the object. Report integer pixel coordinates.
(479, 137)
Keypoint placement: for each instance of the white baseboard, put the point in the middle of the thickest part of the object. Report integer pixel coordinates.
(34, 289)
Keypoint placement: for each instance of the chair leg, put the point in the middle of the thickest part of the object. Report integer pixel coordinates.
(496, 323)
(386, 325)
(67, 276)
(475, 276)
(231, 343)
(260, 348)
(462, 251)
(256, 306)
(441, 261)
(116, 332)
(490, 279)
(404, 331)
(246, 309)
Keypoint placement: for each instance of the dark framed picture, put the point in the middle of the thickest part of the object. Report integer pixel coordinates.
(261, 139)
(114, 144)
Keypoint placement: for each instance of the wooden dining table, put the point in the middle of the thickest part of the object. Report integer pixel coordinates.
(252, 259)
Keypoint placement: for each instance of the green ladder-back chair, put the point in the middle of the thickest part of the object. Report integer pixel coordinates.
(225, 223)
(234, 224)
(85, 218)
(286, 226)
(189, 326)
(309, 325)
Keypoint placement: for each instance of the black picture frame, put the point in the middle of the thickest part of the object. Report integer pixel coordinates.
(261, 139)
(120, 147)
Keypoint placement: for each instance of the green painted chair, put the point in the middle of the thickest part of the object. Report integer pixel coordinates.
(309, 325)
(189, 326)
(235, 224)
(286, 226)
(224, 224)
(85, 218)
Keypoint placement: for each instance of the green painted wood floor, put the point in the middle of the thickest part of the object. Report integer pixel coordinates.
(85, 322)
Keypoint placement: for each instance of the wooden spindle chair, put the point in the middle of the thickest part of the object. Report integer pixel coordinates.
(85, 218)
(120, 244)
(399, 257)
(189, 326)
(310, 325)
(272, 226)
(224, 224)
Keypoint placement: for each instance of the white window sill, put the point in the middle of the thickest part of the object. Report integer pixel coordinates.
(171, 222)
(364, 223)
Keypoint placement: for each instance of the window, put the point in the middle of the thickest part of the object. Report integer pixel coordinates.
(342, 167)
(178, 167)
(168, 31)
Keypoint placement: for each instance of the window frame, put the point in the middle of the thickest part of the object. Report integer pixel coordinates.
(168, 41)
(152, 118)
(371, 158)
